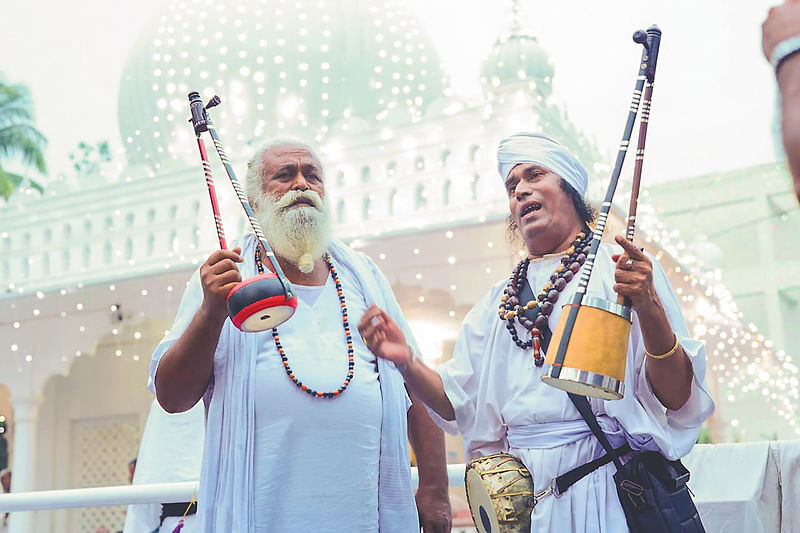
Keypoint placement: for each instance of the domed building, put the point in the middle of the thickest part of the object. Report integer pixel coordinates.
(411, 179)
(281, 67)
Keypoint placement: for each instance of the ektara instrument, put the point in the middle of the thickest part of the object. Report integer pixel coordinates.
(264, 301)
(589, 348)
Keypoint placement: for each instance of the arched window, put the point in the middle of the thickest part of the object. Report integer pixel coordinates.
(365, 174)
(109, 225)
(473, 152)
(129, 220)
(474, 186)
(46, 263)
(174, 244)
(195, 237)
(366, 208)
(48, 235)
(339, 178)
(391, 168)
(87, 256)
(26, 267)
(151, 244)
(445, 156)
(67, 232)
(151, 216)
(419, 163)
(446, 192)
(128, 249)
(420, 199)
(66, 260)
(173, 212)
(107, 253)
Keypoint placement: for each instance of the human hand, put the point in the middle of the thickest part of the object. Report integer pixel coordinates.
(218, 275)
(383, 336)
(433, 505)
(634, 275)
(782, 22)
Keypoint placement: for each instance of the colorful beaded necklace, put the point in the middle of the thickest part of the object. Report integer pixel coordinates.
(350, 358)
(511, 308)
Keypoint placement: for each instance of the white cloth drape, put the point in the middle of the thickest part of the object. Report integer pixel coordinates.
(226, 483)
(501, 404)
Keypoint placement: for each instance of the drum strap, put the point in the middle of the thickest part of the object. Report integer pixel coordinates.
(565, 481)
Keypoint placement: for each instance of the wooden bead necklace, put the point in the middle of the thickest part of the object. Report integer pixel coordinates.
(511, 308)
(348, 337)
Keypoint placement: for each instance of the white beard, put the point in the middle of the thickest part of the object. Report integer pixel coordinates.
(299, 234)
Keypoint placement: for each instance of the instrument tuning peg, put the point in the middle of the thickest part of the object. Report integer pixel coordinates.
(640, 36)
(213, 102)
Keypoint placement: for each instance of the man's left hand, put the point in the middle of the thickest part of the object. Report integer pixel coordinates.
(433, 505)
(634, 275)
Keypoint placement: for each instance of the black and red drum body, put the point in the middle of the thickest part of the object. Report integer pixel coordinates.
(260, 303)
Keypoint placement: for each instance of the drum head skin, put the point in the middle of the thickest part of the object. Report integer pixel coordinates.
(260, 303)
(480, 504)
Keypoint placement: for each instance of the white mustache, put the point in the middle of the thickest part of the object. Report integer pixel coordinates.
(292, 197)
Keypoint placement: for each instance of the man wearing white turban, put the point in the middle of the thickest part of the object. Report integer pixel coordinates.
(491, 390)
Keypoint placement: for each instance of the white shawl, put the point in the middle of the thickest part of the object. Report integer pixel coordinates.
(226, 481)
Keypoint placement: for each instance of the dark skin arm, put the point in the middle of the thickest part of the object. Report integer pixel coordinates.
(427, 441)
(385, 339)
(783, 22)
(186, 368)
(671, 378)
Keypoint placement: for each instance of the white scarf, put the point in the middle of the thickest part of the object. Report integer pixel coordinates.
(226, 482)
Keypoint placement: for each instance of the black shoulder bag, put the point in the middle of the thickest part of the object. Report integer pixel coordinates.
(651, 489)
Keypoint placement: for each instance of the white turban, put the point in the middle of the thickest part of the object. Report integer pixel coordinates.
(541, 150)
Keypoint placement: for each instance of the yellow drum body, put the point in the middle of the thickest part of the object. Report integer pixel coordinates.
(594, 363)
(500, 494)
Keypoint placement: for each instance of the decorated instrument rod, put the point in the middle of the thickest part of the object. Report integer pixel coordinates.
(202, 122)
(647, 98)
(212, 193)
(650, 40)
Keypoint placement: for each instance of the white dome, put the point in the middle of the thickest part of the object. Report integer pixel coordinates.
(280, 67)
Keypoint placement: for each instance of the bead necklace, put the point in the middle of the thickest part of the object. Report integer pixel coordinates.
(350, 358)
(511, 308)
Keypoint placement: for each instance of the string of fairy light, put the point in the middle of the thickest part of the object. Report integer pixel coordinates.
(278, 75)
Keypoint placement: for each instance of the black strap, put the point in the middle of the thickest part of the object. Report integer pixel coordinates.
(565, 481)
(177, 509)
(583, 407)
(526, 295)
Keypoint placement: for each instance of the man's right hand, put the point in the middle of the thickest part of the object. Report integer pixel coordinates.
(218, 275)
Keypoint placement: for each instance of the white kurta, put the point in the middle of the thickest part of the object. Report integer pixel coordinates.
(229, 480)
(501, 404)
(312, 450)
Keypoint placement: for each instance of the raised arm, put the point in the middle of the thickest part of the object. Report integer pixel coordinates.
(385, 339)
(187, 366)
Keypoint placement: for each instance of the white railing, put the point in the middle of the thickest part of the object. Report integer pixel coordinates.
(133, 494)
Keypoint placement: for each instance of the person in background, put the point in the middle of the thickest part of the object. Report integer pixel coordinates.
(781, 45)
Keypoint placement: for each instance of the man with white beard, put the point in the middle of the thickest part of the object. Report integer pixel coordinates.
(277, 458)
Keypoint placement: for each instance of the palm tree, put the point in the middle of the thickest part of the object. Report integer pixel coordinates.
(18, 136)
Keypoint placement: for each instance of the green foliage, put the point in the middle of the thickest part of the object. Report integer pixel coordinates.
(86, 160)
(18, 136)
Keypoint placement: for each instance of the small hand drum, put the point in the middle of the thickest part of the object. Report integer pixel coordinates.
(260, 303)
(500, 494)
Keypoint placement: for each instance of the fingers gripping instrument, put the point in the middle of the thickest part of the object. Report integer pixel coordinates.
(589, 347)
(264, 301)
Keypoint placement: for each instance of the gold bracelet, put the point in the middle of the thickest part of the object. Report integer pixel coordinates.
(665, 355)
